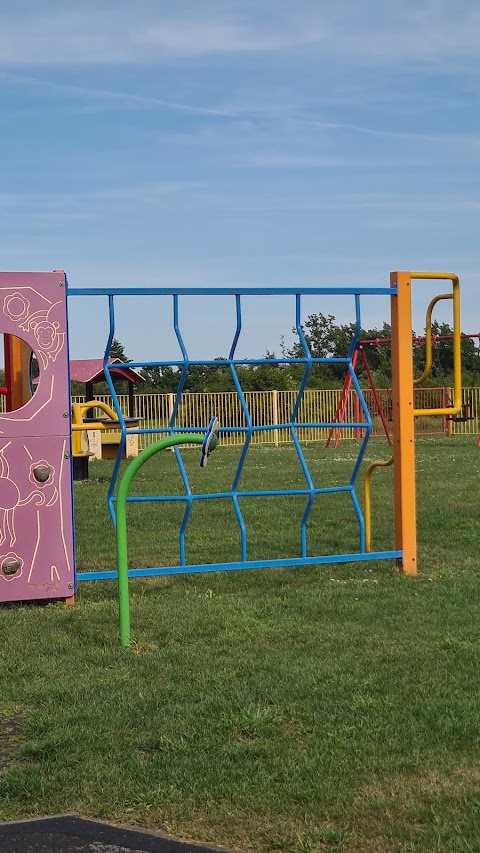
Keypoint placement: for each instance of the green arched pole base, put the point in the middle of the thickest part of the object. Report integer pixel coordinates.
(121, 522)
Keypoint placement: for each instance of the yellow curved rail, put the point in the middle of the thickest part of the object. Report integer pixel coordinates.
(78, 412)
(80, 428)
(428, 337)
(366, 493)
(457, 342)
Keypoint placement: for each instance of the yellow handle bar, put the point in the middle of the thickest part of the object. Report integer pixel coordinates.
(457, 362)
(366, 493)
(428, 337)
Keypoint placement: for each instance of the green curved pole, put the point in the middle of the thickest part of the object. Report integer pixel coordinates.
(121, 523)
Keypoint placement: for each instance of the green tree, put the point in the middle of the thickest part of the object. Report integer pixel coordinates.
(327, 339)
(162, 380)
(442, 357)
(319, 332)
(378, 355)
(117, 350)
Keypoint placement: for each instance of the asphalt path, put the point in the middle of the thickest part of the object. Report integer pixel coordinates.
(73, 834)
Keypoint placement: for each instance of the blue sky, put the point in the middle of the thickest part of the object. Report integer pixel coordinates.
(206, 142)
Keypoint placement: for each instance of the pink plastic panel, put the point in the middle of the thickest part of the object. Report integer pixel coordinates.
(36, 527)
(36, 537)
(33, 307)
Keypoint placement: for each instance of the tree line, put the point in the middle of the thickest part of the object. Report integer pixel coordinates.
(325, 338)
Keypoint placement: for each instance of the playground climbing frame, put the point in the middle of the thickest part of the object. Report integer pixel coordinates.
(36, 504)
(310, 491)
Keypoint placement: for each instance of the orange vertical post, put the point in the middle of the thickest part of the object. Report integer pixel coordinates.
(403, 422)
(19, 383)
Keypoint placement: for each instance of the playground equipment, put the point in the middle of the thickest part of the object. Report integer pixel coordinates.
(466, 413)
(53, 340)
(101, 443)
(403, 457)
(209, 443)
(82, 448)
(341, 410)
(36, 526)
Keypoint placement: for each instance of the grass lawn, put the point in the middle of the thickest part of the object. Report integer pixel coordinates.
(325, 709)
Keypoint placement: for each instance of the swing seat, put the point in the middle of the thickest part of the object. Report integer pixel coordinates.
(463, 418)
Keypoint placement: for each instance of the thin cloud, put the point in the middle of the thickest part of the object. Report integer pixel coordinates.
(298, 161)
(124, 99)
(200, 39)
(373, 32)
(88, 35)
(443, 136)
(294, 161)
(143, 193)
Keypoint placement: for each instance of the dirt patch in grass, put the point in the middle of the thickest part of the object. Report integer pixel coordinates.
(436, 810)
(239, 825)
(12, 729)
(454, 781)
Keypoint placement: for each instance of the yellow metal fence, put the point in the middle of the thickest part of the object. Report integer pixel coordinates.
(275, 407)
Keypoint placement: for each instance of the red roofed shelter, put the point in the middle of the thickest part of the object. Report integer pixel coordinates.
(90, 371)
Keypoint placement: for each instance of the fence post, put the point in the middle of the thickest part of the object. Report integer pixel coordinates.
(446, 422)
(275, 416)
(171, 404)
(403, 422)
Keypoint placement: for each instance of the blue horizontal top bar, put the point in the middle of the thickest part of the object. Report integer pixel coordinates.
(225, 362)
(232, 291)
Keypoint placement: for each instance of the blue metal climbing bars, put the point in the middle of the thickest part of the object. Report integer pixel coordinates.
(235, 493)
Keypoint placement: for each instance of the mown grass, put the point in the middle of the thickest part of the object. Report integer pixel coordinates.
(333, 708)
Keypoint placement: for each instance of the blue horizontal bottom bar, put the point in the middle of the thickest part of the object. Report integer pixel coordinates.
(297, 425)
(249, 564)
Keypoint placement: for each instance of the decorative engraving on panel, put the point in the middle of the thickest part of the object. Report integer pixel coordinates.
(53, 500)
(40, 322)
(16, 306)
(14, 416)
(10, 500)
(50, 341)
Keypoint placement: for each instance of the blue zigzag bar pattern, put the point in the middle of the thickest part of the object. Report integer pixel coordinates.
(235, 494)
